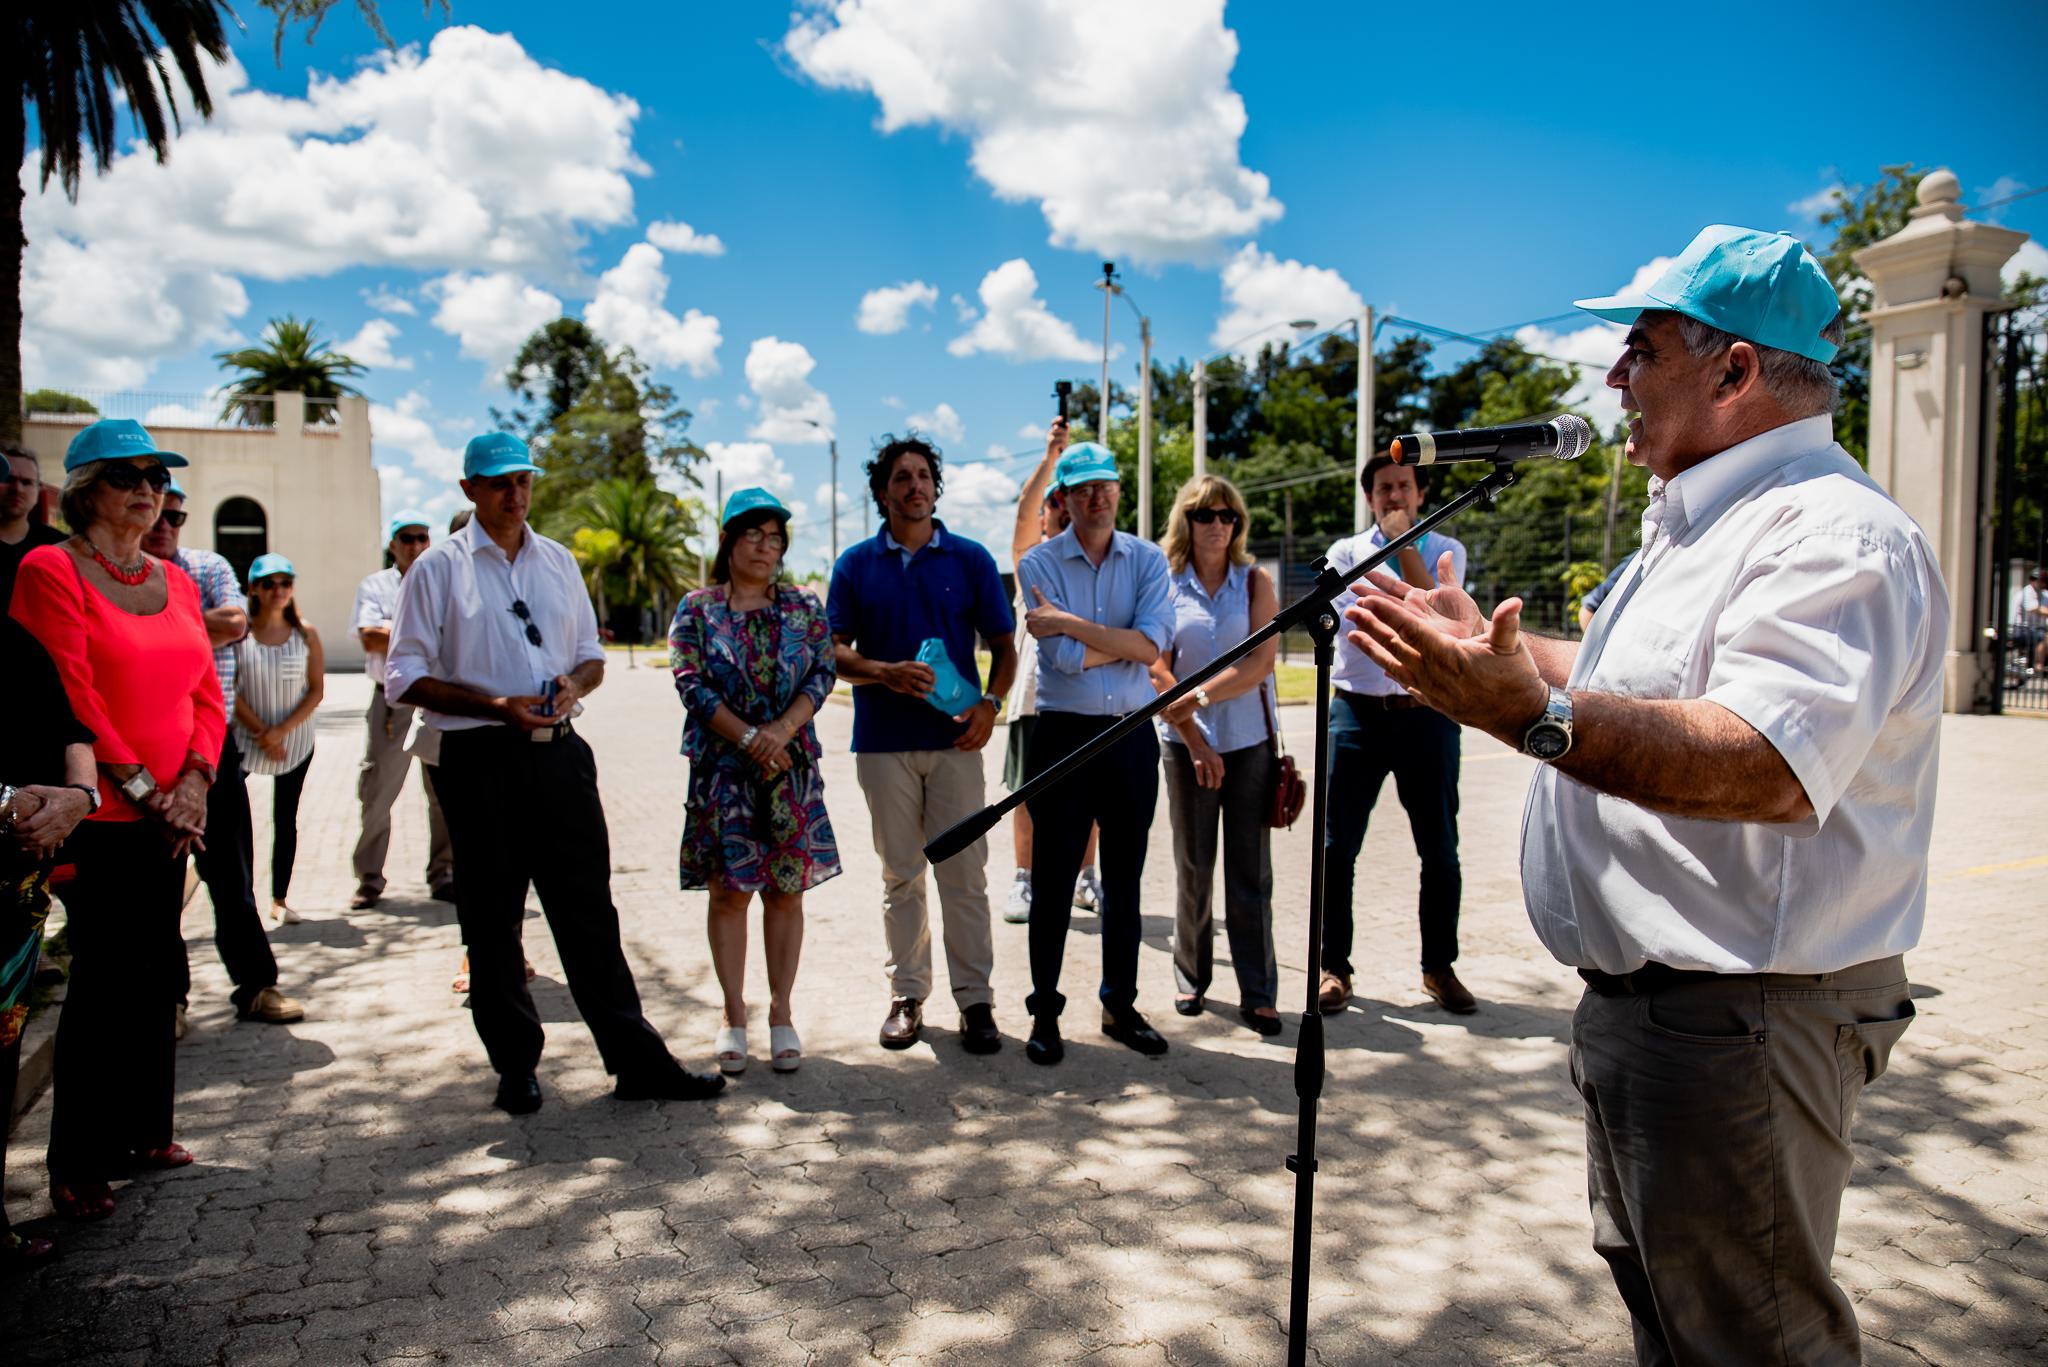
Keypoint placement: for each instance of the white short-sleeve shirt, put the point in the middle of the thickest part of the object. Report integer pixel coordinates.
(1778, 580)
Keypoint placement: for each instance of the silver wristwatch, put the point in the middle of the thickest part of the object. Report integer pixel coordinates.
(747, 738)
(1550, 735)
(140, 787)
(994, 700)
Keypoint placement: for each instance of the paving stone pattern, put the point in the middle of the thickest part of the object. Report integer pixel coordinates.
(357, 1199)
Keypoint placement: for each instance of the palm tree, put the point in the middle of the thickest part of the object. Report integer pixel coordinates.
(651, 561)
(293, 361)
(77, 62)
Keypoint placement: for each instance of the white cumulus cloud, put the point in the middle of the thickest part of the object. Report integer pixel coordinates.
(384, 299)
(629, 311)
(491, 315)
(942, 423)
(1118, 120)
(779, 373)
(372, 346)
(1016, 323)
(469, 156)
(887, 310)
(1262, 292)
(673, 235)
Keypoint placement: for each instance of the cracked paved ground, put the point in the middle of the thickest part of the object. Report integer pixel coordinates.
(356, 1198)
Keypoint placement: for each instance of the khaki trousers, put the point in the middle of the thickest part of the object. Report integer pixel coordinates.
(912, 796)
(1718, 1112)
(378, 782)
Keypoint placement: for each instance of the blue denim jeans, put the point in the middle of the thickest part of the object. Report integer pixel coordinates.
(1419, 747)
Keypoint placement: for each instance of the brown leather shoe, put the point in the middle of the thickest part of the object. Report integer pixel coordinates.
(273, 1008)
(1443, 984)
(905, 1023)
(1335, 995)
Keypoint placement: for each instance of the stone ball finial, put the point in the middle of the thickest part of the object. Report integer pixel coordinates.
(1939, 187)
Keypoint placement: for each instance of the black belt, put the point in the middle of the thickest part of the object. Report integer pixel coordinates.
(504, 734)
(1385, 702)
(1650, 979)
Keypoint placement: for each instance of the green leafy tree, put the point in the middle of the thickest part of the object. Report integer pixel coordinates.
(77, 63)
(293, 359)
(622, 426)
(1859, 216)
(553, 368)
(632, 539)
(56, 401)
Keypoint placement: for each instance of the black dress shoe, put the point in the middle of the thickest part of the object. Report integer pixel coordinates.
(675, 1083)
(978, 1033)
(443, 892)
(1264, 1025)
(1045, 1045)
(1132, 1031)
(518, 1095)
(1189, 1006)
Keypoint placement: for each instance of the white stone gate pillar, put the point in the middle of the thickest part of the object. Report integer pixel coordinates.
(1930, 432)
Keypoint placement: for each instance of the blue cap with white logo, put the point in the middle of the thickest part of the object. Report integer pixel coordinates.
(1763, 287)
(175, 489)
(410, 517)
(1084, 462)
(268, 564)
(116, 439)
(744, 501)
(496, 453)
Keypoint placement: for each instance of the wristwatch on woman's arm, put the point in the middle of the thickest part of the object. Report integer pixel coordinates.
(140, 786)
(92, 797)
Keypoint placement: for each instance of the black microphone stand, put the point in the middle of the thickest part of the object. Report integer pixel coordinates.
(1315, 612)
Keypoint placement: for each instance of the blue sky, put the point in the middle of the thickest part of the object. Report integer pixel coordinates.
(1469, 166)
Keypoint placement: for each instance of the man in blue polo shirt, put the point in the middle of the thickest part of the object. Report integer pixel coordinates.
(1100, 612)
(917, 737)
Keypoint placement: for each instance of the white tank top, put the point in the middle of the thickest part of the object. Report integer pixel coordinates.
(273, 681)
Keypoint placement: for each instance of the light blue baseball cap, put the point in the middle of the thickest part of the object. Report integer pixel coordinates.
(175, 488)
(408, 517)
(115, 439)
(744, 501)
(1763, 287)
(496, 453)
(268, 564)
(1084, 463)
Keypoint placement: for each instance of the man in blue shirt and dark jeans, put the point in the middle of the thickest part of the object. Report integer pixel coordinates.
(1099, 608)
(920, 763)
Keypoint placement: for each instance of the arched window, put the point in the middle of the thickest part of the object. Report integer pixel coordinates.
(241, 532)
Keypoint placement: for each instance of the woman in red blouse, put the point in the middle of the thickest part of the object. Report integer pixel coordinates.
(125, 631)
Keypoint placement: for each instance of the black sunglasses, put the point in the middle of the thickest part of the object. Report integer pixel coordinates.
(172, 517)
(1202, 517)
(413, 538)
(275, 581)
(126, 477)
(524, 614)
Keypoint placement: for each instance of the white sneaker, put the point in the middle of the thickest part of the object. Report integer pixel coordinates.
(1088, 890)
(1018, 910)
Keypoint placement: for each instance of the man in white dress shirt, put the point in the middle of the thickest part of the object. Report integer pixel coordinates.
(496, 640)
(1728, 837)
(386, 757)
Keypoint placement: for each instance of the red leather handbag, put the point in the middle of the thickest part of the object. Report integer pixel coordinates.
(1289, 791)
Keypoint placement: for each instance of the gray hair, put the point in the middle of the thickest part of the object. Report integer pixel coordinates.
(1804, 387)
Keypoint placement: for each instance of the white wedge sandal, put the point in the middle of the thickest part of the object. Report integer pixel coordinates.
(785, 1050)
(730, 1049)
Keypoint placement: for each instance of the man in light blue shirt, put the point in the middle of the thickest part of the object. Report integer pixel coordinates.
(1098, 603)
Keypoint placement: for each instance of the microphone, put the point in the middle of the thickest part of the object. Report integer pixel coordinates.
(1562, 438)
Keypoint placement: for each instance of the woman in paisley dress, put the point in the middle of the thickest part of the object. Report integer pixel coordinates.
(753, 664)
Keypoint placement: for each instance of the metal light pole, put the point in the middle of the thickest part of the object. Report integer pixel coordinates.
(832, 445)
(1201, 418)
(1368, 377)
(1144, 427)
(1107, 284)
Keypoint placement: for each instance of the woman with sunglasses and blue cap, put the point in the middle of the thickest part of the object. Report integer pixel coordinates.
(753, 663)
(281, 671)
(129, 642)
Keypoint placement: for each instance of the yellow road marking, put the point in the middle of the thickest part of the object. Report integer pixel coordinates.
(2038, 861)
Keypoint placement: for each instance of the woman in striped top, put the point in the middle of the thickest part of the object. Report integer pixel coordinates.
(279, 678)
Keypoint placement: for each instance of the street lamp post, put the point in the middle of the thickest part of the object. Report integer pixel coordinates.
(1109, 291)
(1368, 376)
(832, 445)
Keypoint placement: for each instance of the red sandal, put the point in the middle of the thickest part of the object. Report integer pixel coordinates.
(82, 1200)
(169, 1156)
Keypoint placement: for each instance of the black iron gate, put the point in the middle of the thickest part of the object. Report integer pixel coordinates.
(2018, 607)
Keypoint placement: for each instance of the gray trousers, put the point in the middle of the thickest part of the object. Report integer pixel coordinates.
(1718, 1113)
(1241, 804)
(378, 783)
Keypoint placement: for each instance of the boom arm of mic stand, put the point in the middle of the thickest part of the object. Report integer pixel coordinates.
(1329, 583)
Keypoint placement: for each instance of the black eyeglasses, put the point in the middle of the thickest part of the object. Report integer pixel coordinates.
(126, 477)
(525, 614)
(172, 517)
(1202, 517)
(413, 538)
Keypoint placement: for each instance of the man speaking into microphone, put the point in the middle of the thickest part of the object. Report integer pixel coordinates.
(1728, 834)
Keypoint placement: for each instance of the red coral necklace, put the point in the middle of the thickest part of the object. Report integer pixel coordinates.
(130, 575)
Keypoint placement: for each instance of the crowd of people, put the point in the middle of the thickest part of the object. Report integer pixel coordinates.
(1726, 836)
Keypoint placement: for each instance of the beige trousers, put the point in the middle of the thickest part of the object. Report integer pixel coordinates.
(912, 796)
